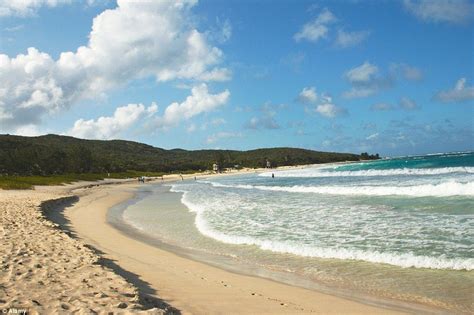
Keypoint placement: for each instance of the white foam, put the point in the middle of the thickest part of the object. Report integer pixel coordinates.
(445, 189)
(405, 260)
(311, 172)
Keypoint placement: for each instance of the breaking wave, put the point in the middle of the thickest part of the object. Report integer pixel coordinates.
(446, 189)
(325, 172)
(405, 260)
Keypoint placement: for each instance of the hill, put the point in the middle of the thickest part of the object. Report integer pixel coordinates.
(54, 154)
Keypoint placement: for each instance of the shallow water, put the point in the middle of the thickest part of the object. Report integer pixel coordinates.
(400, 228)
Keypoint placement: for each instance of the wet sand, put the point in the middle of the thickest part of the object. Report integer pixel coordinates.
(188, 285)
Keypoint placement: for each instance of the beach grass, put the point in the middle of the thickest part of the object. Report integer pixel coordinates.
(28, 182)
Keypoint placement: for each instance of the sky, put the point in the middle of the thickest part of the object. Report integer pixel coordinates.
(387, 77)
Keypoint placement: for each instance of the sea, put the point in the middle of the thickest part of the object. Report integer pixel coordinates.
(395, 230)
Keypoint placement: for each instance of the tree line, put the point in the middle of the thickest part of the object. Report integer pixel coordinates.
(54, 155)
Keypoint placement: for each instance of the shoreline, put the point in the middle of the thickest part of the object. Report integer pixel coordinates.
(164, 279)
(178, 286)
(240, 267)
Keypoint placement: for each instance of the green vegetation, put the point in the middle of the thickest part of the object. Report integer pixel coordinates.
(53, 159)
(367, 156)
(27, 182)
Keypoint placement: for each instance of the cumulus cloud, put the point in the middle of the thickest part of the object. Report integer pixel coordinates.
(365, 81)
(320, 28)
(27, 88)
(24, 8)
(329, 110)
(132, 41)
(108, 127)
(321, 104)
(308, 95)
(347, 39)
(450, 11)
(459, 93)
(317, 28)
(362, 74)
(198, 102)
(408, 104)
(111, 127)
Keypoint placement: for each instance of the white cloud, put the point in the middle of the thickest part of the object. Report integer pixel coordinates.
(317, 28)
(365, 80)
(28, 130)
(222, 135)
(308, 95)
(320, 28)
(198, 102)
(372, 136)
(321, 104)
(347, 39)
(408, 104)
(216, 74)
(111, 127)
(14, 28)
(329, 110)
(381, 107)
(27, 7)
(450, 11)
(459, 93)
(134, 40)
(362, 74)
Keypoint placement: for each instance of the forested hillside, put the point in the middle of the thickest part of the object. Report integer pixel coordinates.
(53, 154)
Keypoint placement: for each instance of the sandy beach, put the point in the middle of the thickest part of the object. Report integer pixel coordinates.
(160, 276)
(46, 270)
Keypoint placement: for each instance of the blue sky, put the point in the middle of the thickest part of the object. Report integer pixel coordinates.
(393, 77)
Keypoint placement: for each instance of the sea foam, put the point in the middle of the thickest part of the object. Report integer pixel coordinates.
(404, 260)
(325, 172)
(445, 189)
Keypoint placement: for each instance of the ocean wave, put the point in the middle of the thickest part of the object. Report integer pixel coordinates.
(371, 172)
(446, 189)
(405, 260)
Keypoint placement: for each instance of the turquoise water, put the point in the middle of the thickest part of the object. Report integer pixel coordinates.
(401, 228)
